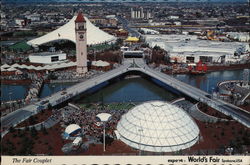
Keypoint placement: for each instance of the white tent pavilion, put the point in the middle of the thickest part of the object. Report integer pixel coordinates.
(15, 65)
(104, 117)
(11, 69)
(67, 32)
(72, 128)
(100, 63)
(5, 66)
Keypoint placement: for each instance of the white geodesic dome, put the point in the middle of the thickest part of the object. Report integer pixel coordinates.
(158, 126)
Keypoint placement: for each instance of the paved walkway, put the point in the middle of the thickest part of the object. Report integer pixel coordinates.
(201, 116)
(50, 122)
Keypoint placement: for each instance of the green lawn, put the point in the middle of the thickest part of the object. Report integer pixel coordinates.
(99, 47)
(20, 46)
(24, 33)
(109, 106)
(119, 106)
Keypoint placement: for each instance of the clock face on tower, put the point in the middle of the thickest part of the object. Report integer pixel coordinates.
(81, 37)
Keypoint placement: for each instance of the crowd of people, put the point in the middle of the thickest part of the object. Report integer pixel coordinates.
(87, 120)
(65, 75)
(34, 89)
(234, 91)
(71, 75)
(12, 77)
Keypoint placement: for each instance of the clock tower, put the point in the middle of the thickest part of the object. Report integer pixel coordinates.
(81, 44)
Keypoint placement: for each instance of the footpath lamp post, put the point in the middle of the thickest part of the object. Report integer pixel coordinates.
(10, 93)
(140, 132)
(104, 117)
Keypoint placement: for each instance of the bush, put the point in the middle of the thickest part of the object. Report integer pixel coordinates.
(45, 132)
(222, 133)
(12, 130)
(33, 132)
(50, 148)
(27, 129)
(50, 107)
(32, 120)
(51, 76)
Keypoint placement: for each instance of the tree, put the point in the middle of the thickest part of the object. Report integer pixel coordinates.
(119, 41)
(198, 15)
(32, 120)
(45, 132)
(145, 45)
(9, 148)
(222, 133)
(33, 132)
(19, 133)
(12, 129)
(27, 128)
(51, 76)
(156, 47)
(27, 146)
(50, 106)
(167, 58)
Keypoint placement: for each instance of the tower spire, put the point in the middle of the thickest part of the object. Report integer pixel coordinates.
(80, 18)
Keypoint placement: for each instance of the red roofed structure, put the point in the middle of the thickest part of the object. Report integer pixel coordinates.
(80, 18)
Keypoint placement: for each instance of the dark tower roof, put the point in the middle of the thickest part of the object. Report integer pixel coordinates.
(80, 18)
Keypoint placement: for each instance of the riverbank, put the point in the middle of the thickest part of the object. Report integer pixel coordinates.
(28, 81)
(228, 67)
(63, 81)
(210, 68)
(15, 82)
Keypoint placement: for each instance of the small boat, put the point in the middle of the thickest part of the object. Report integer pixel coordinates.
(197, 69)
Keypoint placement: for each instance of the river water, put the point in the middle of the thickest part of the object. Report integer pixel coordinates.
(13, 92)
(130, 90)
(135, 90)
(16, 92)
(208, 82)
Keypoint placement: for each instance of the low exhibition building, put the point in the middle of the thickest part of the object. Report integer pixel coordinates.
(47, 57)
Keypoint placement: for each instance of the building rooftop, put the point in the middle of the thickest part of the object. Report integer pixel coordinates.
(190, 43)
(46, 53)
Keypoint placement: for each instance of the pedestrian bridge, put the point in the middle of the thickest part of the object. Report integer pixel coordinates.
(130, 65)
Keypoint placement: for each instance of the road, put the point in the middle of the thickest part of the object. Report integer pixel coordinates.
(228, 109)
(125, 24)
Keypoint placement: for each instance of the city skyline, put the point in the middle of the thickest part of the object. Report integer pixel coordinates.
(134, 1)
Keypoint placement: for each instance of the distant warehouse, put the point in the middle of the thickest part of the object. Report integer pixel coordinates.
(47, 57)
(190, 49)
